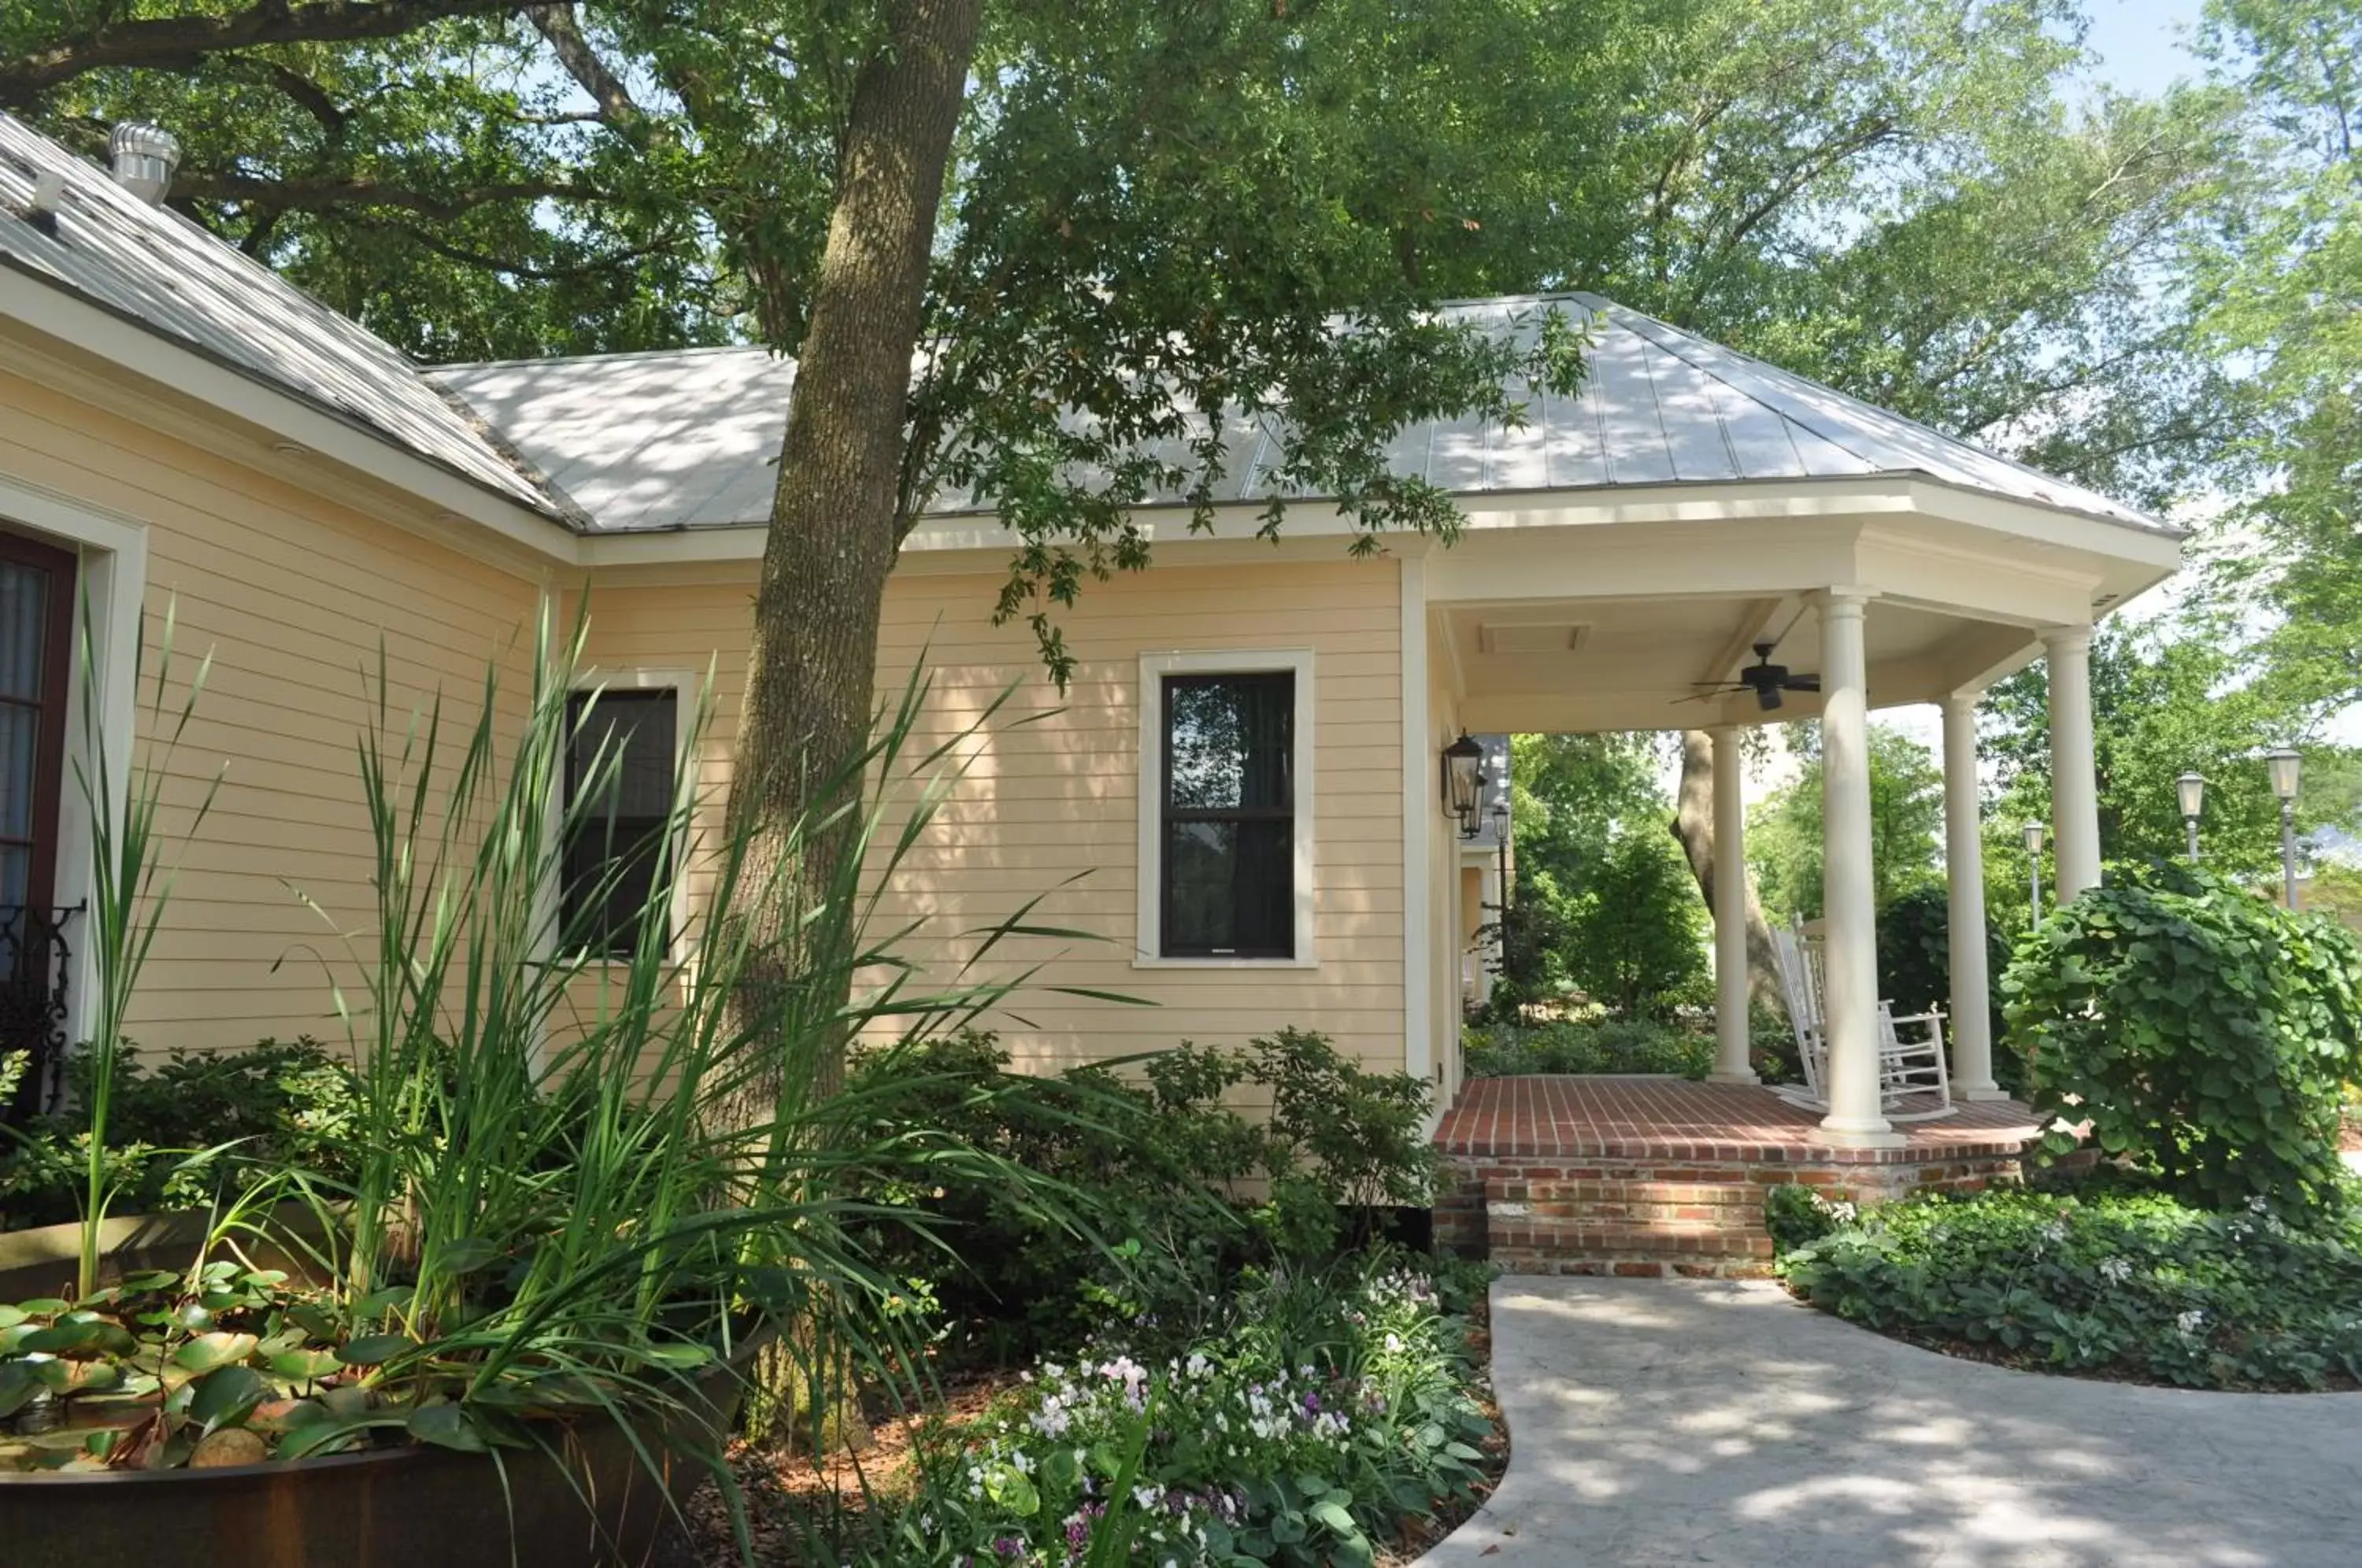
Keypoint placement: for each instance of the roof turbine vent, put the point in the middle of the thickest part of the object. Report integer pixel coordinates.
(145, 157)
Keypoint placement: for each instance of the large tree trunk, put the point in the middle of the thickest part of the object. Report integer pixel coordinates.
(1693, 826)
(812, 668)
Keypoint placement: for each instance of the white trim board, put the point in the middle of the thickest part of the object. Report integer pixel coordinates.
(1148, 933)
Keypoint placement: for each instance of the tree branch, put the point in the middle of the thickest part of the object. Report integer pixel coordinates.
(563, 29)
(328, 192)
(162, 40)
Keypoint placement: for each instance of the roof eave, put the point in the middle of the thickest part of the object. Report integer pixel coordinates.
(122, 339)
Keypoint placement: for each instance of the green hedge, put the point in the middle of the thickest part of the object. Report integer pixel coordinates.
(1612, 1045)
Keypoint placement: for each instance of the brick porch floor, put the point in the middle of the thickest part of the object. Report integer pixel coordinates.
(1659, 1176)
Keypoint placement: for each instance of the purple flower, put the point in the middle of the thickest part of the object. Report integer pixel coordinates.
(1008, 1546)
(1312, 1404)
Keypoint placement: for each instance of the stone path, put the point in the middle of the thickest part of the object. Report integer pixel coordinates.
(1674, 1422)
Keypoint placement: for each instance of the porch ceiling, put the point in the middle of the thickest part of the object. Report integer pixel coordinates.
(1570, 665)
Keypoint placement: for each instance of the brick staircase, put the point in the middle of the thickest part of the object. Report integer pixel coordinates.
(1656, 1177)
(1625, 1218)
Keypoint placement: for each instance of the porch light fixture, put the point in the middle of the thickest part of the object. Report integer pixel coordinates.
(1463, 780)
(2191, 787)
(2033, 835)
(2284, 763)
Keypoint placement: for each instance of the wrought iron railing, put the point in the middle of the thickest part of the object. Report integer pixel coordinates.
(34, 963)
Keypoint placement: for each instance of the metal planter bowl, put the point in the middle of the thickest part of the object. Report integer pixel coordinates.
(590, 1500)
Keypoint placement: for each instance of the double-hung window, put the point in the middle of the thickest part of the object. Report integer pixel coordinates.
(619, 795)
(1228, 845)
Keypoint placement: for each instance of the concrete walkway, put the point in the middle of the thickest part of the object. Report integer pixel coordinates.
(1661, 1421)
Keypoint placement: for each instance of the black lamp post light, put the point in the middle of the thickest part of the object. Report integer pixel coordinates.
(1463, 782)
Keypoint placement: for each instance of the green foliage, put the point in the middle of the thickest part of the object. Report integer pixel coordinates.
(2167, 697)
(1906, 823)
(1603, 904)
(1164, 1189)
(2206, 1034)
(1798, 1216)
(527, 1205)
(272, 1106)
(1300, 1429)
(1601, 1045)
(1914, 966)
(2107, 1280)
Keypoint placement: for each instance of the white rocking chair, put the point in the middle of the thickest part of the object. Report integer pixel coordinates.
(1910, 1071)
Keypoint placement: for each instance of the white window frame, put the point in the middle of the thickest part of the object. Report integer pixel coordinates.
(111, 552)
(1148, 947)
(685, 685)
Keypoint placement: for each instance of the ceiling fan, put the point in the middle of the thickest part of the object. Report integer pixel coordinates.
(1764, 677)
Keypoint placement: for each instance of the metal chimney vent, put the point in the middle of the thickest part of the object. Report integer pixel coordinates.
(145, 157)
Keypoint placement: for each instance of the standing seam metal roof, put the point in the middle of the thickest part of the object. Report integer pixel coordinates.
(154, 266)
(659, 441)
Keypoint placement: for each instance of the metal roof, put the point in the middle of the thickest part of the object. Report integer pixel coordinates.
(157, 267)
(691, 439)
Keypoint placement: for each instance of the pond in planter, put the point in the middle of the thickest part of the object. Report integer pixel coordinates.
(157, 1410)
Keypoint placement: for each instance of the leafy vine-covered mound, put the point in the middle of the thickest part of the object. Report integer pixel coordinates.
(2105, 1280)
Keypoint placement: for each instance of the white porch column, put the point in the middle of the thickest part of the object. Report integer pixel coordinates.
(1730, 988)
(1964, 871)
(1850, 951)
(2074, 785)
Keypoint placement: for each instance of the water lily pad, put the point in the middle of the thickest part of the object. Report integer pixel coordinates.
(372, 1349)
(60, 1339)
(207, 1351)
(314, 1321)
(225, 1395)
(11, 1316)
(149, 1279)
(304, 1365)
(42, 1307)
(18, 1386)
(446, 1426)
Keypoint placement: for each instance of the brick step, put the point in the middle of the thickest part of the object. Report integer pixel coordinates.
(1724, 1217)
(1526, 1261)
(1654, 1240)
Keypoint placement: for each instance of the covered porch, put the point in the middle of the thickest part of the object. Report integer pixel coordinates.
(1908, 606)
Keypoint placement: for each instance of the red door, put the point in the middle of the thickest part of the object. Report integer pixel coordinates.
(36, 597)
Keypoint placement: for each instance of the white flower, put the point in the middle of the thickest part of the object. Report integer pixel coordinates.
(2190, 1322)
(1147, 1496)
(2055, 1232)
(1394, 1344)
(2115, 1271)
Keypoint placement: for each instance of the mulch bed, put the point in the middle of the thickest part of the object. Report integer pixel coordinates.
(786, 1495)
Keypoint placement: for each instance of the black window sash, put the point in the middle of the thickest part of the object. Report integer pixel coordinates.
(1171, 816)
(602, 841)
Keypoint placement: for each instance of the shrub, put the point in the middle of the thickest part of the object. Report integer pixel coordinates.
(1180, 1188)
(1326, 1409)
(1797, 1216)
(277, 1104)
(1608, 1045)
(1914, 966)
(2205, 1034)
(2105, 1280)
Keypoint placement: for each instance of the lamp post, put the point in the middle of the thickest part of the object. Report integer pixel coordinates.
(2034, 870)
(2284, 761)
(1501, 845)
(2191, 788)
(1463, 780)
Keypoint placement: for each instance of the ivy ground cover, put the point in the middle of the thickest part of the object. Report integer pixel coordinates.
(2102, 1279)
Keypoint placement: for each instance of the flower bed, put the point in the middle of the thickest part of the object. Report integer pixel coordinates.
(1331, 1412)
(2102, 1279)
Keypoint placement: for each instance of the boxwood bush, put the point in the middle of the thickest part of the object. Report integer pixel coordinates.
(2206, 1036)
